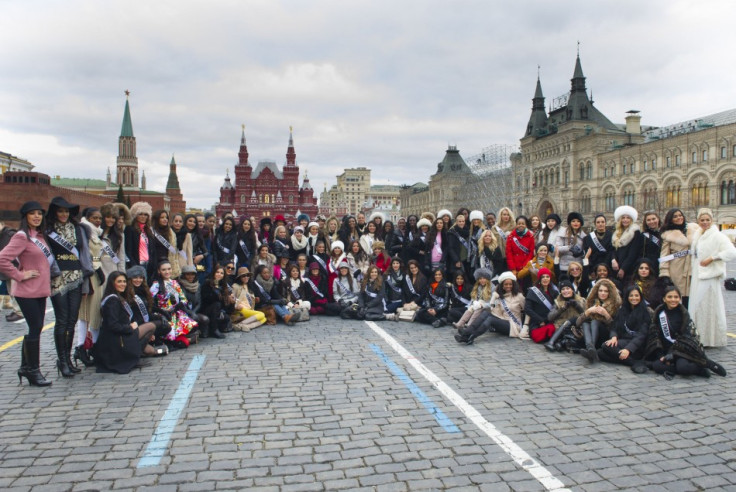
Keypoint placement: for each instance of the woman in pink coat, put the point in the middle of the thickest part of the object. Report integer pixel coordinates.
(31, 284)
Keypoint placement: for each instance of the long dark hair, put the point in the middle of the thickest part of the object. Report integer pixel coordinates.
(432, 234)
(668, 225)
(164, 231)
(250, 236)
(196, 232)
(27, 228)
(110, 287)
(113, 233)
(361, 255)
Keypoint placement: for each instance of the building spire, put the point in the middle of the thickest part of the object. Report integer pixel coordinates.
(290, 153)
(173, 181)
(127, 129)
(537, 125)
(242, 138)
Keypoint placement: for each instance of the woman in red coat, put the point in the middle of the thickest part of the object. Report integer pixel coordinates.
(519, 246)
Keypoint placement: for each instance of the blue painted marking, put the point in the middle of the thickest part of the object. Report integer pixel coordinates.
(159, 443)
(439, 416)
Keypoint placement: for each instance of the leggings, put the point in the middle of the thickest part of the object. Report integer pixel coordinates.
(682, 366)
(34, 310)
(247, 313)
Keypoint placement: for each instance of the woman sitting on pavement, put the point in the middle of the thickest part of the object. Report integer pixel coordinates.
(628, 332)
(393, 282)
(480, 298)
(436, 303)
(460, 293)
(247, 316)
(505, 315)
(170, 298)
(266, 289)
(600, 307)
(568, 306)
(539, 303)
(121, 340)
(144, 309)
(317, 289)
(345, 290)
(370, 299)
(673, 343)
(296, 292)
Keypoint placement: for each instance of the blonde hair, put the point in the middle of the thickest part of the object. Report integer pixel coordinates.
(485, 294)
(512, 221)
(494, 241)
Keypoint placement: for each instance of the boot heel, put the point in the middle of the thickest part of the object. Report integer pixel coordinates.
(20, 379)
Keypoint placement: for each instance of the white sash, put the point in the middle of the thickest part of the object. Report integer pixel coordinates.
(410, 285)
(320, 261)
(671, 257)
(63, 243)
(664, 324)
(521, 246)
(126, 306)
(438, 300)
(109, 252)
(314, 288)
(500, 232)
(244, 247)
(142, 308)
(597, 243)
(370, 294)
(163, 241)
(395, 287)
(542, 298)
(652, 238)
(46, 252)
(295, 293)
(265, 294)
(459, 297)
(509, 313)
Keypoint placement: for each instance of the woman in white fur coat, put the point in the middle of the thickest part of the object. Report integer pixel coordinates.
(711, 251)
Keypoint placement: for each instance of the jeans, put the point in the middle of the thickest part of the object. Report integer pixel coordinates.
(281, 311)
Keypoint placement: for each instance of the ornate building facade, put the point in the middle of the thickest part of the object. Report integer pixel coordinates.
(576, 159)
(266, 191)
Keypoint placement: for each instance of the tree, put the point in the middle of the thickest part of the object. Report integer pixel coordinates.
(121, 197)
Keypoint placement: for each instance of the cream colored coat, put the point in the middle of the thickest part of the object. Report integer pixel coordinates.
(678, 270)
(515, 305)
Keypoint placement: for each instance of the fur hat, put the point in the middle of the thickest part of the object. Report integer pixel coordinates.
(125, 212)
(704, 211)
(302, 217)
(141, 208)
(299, 228)
(265, 220)
(506, 276)
(188, 269)
(482, 273)
(337, 244)
(280, 218)
(136, 271)
(377, 214)
(424, 222)
(444, 212)
(343, 264)
(575, 215)
(476, 215)
(378, 245)
(565, 282)
(429, 216)
(555, 217)
(544, 271)
(321, 217)
(625, 210)
(312, 224)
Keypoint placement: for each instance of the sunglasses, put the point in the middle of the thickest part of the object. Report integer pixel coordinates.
(229, 268)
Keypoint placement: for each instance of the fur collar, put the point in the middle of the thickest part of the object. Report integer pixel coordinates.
(625, 238)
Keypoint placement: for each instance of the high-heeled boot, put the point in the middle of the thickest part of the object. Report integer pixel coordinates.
(69, 339)
(81, 354)
(590, 332)
(62, 367)
(552, 344)
(30, 366)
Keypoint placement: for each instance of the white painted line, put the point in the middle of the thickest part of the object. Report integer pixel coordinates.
(521, 457)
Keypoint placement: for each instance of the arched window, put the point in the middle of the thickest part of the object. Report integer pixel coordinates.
(242, 198)
(590, 170)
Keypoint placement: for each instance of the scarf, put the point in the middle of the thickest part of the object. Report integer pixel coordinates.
(69, 279)
(180, 238)
(266, 284)
(296, 244)
(189, 286)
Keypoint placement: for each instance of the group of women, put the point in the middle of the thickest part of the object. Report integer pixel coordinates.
(138, 282)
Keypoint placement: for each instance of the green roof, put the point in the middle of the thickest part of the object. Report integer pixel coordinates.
(79, 183)
(127, 130)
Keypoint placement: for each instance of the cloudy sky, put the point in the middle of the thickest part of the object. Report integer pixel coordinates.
(386, 85)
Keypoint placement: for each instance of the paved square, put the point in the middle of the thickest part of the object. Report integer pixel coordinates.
(314, 407)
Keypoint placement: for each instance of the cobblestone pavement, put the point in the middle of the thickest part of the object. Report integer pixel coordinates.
(313, 407)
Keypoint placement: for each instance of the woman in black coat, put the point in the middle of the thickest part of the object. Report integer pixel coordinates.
(217, 302)
(370, 299)
(627, 242)
(247, 243)
(121, 340)
(651, 241)
(436, 302)
(460, 247)
(226, 239)
(393, 240)
(415, 284)
(597, 245)
(540, 301)
(673, 344)
(628, 331)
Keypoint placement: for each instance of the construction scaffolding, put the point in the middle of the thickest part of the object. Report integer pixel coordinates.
(492, 186)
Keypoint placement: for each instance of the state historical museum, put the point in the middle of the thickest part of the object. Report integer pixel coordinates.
(267, 191)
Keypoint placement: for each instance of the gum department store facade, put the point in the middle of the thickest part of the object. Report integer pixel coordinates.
(575, 158)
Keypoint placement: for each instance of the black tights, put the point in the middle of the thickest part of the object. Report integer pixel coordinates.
(682, 366)
(34, 310)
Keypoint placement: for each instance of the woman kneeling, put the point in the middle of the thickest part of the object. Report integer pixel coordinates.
(121, 341)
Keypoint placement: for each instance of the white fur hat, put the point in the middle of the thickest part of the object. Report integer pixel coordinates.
(625, 210)
(423, 222)
(444, 212)
(377, 214)
(476, 214)
(312, 224)
(506, 276)
(337, 244)
(141, 208)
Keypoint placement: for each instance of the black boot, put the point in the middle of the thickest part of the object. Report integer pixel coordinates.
(715, 367)
(552, 345)
(61, 365)
(81, 354)
(69, 339)
(29, 368)
(590, 332)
